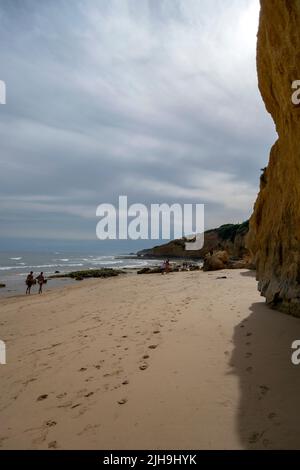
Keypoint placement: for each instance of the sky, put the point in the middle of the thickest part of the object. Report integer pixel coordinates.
(153, 99)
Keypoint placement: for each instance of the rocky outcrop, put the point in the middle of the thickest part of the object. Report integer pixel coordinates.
(229, 237)
(172, 269)
(88, 273)
(221, 260)
(216, 261)
(274, 237)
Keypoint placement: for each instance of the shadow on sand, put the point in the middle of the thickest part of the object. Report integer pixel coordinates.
(269, 409)
(248, 273)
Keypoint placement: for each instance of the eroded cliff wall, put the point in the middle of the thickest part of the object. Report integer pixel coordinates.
(274, 236)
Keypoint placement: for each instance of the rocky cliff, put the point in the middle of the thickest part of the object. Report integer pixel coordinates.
(229, 237)
(274, 236)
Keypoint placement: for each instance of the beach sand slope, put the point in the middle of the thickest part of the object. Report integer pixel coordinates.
(182, 361)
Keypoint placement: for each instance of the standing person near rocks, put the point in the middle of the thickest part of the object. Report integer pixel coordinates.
(167, 266)
(29, 282)
(40, 279)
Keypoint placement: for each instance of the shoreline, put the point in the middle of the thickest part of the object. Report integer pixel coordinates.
(67, 278)
(187, 360)
(15, 266)
(69, 285)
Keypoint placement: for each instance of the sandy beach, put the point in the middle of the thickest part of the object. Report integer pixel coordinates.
(180, 361)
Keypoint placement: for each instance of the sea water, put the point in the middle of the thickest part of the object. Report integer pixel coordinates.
(15, 266)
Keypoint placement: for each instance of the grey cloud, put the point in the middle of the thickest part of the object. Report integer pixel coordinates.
(127, 97)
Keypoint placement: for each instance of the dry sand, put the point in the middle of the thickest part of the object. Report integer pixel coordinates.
(157, 362)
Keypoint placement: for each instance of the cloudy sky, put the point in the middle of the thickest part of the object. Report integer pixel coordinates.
(153, 99)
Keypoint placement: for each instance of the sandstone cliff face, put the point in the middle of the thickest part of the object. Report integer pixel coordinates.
(274, 236)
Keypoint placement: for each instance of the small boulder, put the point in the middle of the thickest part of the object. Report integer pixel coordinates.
(155, 270)
(194, 267)
(216, 261)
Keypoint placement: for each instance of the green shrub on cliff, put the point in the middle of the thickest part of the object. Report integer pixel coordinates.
(230, 231)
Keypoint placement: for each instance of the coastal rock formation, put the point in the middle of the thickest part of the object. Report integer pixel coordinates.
(221, 260)
(274, 237)
(229, 237)
(88, 273)
(215, 261)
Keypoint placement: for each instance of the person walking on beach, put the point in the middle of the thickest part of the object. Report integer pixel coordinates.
(167, 266)
(40, 279)
(29, 282)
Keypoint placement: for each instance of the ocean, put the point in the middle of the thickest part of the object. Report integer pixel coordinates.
(14, 266)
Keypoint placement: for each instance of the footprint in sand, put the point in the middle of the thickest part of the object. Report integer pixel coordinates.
(255, 437)
(264, 389)
(249, 369)
(146, 356)
(122, 401)
(29, 380)
(272, 415)
(144, 366)
(83, 369)
(75, 406)
(153, 346)
(52, 445)
(248, 355)
(2, 439)
(266, 442)
(51, 423)
(66, 404)
(42, 397)
(249, 334)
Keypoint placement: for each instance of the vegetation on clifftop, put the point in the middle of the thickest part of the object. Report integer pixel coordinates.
(230, 231)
